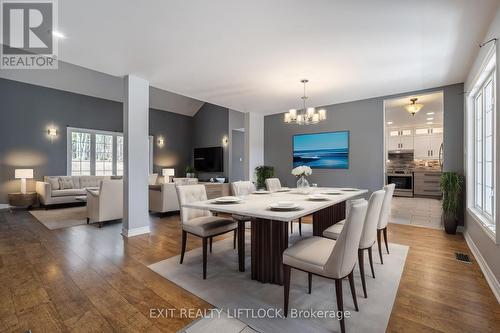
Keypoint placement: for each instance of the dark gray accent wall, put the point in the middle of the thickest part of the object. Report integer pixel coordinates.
(26, 112)
(365, 121)
(211, 124)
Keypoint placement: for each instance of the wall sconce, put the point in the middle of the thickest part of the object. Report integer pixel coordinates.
(225, 141)
(52, 133)
(161, 141)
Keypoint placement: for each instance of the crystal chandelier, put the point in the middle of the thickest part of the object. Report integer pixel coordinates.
(305, 116)
(413, 107)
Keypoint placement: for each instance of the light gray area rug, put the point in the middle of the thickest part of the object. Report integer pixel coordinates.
(59, 218)
(237, 294)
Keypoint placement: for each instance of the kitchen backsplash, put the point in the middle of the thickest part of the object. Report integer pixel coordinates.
(413, 164)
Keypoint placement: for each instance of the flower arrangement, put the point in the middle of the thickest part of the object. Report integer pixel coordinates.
(302, 170)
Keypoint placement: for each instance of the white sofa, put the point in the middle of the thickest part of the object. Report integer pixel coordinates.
(66, 189)
(106, 203)
(163, 197)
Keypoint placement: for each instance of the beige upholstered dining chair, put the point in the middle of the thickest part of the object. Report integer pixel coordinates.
(368, 235)
(273, 185)
(385, 213)
(328, 258)
(242, 188)
(200, 223)
(105, 204)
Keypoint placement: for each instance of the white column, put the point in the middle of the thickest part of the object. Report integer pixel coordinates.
(136, 156)
(254, 143)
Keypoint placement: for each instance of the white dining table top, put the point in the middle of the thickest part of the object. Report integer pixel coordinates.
(257, 205)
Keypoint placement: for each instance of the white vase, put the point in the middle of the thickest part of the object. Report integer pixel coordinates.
(303, 184)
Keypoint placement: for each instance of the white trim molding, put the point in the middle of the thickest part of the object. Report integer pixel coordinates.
(136, 231)
(488, 274)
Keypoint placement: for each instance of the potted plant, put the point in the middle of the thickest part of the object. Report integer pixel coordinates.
(452, 186)
(190, 172)
(262, 173)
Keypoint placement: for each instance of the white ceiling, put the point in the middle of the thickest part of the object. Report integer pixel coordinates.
(396, 113)
(251, 55)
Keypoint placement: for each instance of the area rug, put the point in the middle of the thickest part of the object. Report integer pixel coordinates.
(59, 218)
(235, 293)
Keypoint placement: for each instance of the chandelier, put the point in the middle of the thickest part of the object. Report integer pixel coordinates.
(413, 107)
(305, 116)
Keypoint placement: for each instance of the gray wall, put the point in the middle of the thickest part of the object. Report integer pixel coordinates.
(237, 156)
(365, 121)
(28, 110)
(211, 124)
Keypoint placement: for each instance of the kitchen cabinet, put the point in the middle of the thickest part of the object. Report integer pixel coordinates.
(426, 147)
(428, 130)
(400, 139)
(426, 183)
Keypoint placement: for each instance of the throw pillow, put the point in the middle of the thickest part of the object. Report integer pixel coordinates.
(65, 183)
(54, 183)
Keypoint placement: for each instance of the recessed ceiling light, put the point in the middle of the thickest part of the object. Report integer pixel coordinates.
(58, 34)
(430, 118)
(389, 123)
(429, 123)
(429, 113)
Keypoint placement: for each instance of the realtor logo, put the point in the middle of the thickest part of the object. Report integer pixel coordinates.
(27, 34)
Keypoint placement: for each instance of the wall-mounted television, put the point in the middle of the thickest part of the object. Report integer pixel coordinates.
(209, 159)
(328, 150)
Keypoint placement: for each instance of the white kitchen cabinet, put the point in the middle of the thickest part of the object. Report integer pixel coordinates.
(400, 139)
(426, 147)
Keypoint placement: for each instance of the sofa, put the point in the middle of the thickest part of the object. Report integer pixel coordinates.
(66, 189)
(163, 197)
(105, 203)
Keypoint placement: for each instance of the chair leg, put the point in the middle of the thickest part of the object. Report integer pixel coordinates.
(371, 261)
(211, 241)
(361, 262)
(88, 220)
(286, 287)
(300, 227)
(100, 224)
(291, 227)
(385, 239)
(205, 258)
(379, 240)
(235, 236)
(183, 246)
(310, 280)
(353, 290)
(340, 303)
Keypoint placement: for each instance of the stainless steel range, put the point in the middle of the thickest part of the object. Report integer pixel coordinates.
(403, 178)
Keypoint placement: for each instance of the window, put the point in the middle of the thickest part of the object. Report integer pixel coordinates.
(483, 102)
(80, 154)
(99, 153)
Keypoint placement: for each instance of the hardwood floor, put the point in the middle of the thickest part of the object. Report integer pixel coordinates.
(85, 279)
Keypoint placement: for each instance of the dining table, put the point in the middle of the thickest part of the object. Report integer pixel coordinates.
(269, 224)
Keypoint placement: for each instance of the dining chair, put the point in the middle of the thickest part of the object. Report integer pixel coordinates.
(242, 188)
(385, 213)
(368, 235)
(273, 185)
(328, 258)
(198, 222)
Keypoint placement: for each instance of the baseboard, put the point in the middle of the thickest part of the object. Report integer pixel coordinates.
(488, 274)
(136, 231)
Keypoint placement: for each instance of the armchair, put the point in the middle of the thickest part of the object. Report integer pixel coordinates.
(105, 204)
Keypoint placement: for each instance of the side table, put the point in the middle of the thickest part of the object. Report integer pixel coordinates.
(26, 200)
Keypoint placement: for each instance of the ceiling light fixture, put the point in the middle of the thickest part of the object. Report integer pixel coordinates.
(430, 113)
(389, 123)
(58, 34)
(413, 107)
(305, 116)
(430, 118)
(430, 123)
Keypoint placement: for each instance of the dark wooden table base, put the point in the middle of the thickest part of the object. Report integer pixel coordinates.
(270, 239)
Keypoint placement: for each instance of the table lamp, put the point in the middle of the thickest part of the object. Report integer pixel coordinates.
(23, 174)
(167, 173)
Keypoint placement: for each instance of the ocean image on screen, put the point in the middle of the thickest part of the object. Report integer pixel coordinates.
(322, 150)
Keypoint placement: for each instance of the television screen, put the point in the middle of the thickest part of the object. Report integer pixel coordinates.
(329, 150)
(208, 159)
